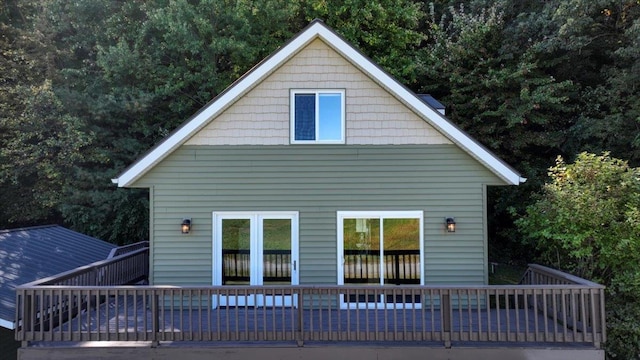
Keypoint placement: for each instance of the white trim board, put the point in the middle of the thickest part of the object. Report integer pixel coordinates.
(316, 29)
(7, 324)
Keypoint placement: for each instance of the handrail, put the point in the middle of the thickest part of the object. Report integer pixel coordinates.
(559, 277)
(127, 248)
(91, 268)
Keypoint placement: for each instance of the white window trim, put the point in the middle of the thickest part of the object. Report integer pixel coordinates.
(341, 215)
(292, 125)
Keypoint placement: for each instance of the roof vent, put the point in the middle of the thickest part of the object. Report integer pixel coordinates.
(431, 101)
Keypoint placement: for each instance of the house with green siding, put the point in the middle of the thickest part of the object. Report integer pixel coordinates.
(318, 167)
(315, 209)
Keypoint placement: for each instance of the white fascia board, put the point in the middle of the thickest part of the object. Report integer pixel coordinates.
(7, 324)
(435, 118)
(209, 111)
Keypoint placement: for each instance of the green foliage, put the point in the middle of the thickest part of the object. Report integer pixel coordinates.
(500, 93)
(40, 142)
(586, 215)
(587, 221)
(385, 30)
(43, 144)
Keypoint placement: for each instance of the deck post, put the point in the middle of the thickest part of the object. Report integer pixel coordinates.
(300, 332)
(27, 312)
(446, 319)
(597, 314)
(155, 320)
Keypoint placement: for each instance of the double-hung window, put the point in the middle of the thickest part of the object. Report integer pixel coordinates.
(317, 116)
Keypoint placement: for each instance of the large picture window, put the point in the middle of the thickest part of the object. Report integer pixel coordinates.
(317, 116)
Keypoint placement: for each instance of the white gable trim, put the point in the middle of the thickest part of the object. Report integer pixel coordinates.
(317, 29)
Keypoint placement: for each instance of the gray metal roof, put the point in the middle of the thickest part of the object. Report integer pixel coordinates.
(29, 254)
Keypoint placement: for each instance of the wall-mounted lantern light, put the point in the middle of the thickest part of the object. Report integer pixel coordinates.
(186, 226)
(451, 224)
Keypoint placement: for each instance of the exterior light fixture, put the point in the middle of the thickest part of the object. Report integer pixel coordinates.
(450, 224)
(186, 226)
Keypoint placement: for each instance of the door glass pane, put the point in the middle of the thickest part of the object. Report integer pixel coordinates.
(276, 251)
(401, 251)
(236, 257)
(361, 251)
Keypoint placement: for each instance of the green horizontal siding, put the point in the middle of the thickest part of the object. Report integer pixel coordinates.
(318, 181)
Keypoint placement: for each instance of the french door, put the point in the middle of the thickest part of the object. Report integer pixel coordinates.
(379, 248)
(255, 248)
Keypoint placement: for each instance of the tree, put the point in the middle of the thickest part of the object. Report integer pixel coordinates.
(385, 30)
(594, 43)
(587, 221)
(495, 87)
(480, 61)
(40, 143)
(134, 71)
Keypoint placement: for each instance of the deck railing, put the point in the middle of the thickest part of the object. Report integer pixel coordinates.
(531, 313)
(50, 309)
(586, 314)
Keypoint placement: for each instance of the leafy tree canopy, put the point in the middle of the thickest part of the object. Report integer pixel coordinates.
(587, 221)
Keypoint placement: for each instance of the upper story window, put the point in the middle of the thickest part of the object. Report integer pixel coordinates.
(317, 116)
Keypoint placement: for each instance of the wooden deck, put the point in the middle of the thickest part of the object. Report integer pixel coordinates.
(91, 313)
(92, 304)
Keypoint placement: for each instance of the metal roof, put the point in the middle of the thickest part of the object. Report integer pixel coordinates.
(431, 101)
(33, 253)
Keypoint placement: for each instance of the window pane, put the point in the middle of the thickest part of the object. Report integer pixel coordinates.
(305, 115)
(361, 251)
(330, 122)
(276, 253)
(236, 234)
(401, 238)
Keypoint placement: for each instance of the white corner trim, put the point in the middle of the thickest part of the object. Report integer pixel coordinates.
(7, 324)
(316, 30)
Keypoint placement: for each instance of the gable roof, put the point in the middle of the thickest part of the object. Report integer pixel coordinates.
(316, 29)
(29, 254)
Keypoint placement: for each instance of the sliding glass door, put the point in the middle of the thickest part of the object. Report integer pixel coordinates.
(379, 248)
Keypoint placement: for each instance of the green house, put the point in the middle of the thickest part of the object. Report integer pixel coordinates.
(317, 167)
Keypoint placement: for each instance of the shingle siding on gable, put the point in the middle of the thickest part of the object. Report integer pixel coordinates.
(261, 117)
(318, 181)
